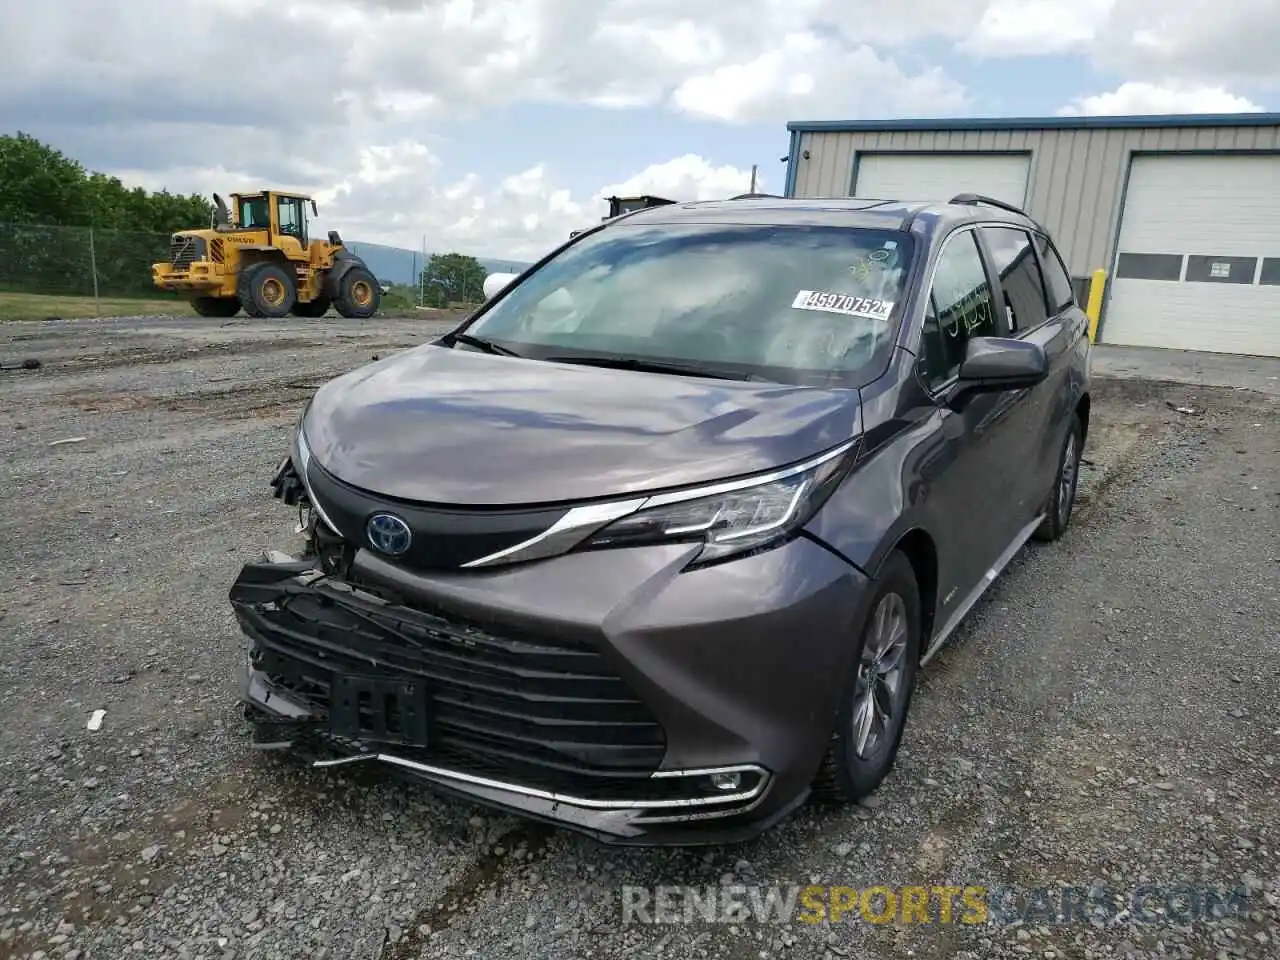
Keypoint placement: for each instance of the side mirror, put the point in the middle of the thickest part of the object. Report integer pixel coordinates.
(992, 364)
(315, 211)
(495, 283)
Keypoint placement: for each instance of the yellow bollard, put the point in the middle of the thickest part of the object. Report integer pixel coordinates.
(1094, 309)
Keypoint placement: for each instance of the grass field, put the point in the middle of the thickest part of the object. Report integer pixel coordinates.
(35, 306)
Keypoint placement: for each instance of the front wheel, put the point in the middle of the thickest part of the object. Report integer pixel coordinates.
(873, 707)
(358, 294)
(1063, 496)
(267, 290)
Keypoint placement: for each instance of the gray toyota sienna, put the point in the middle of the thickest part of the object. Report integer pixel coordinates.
(654, 543)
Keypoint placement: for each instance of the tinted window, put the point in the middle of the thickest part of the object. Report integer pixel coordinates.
(1061, 294)
(795, 304)
(1015, 262)
(960, 307)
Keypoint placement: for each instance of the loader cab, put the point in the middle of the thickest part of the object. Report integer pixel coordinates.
(277, 213)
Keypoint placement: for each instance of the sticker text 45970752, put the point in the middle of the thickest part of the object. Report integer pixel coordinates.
(845, 303)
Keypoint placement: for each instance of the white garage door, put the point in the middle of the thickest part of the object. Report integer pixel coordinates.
(889, 176)
(1198, 265)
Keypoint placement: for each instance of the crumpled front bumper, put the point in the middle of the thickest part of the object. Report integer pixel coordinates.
(635, 730)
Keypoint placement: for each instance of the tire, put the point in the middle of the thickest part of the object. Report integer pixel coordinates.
(1062, 498)
(216, 306)
(847, 774)
(312, 308)
(358, 294)
(267, 290)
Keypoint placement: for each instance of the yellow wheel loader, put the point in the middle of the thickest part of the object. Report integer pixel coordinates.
(262, 261)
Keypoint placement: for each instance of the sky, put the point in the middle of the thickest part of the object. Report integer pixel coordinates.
(494, 127)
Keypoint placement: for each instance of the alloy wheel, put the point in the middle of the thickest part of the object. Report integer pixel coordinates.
(1067, 483)
(880, 673)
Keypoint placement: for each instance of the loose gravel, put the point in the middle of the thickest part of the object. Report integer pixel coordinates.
(1106, 718)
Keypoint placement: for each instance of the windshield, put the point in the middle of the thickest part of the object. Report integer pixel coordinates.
(798, 304)
(253, 212)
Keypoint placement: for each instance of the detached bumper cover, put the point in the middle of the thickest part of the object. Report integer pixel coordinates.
(594, 731)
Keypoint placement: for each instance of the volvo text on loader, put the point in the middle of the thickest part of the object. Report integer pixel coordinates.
(264, 262)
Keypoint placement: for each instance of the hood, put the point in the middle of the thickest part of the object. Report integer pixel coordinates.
(453, 426)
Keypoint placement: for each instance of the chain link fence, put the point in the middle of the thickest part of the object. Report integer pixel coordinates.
(79, 261)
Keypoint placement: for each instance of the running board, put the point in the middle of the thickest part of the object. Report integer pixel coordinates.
(976, 594)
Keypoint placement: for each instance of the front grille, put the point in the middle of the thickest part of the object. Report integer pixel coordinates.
(183, 251)
(444, 538)
(549, 714)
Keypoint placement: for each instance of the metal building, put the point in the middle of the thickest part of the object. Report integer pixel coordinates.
(1182, 211)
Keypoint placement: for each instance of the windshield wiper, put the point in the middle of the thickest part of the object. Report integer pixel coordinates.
(659, 366)
(480, 343)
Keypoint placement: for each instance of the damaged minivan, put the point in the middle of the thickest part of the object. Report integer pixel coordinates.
(653, 545)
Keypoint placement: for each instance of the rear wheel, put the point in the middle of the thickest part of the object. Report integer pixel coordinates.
(267, 290)
(1057, 510)
(216, 306)
(873, 706)
(312, 308)
(358, 294)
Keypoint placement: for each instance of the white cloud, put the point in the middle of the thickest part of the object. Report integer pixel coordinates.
(350, 99)
(399, 196)
(689, 177)
(1016, 28)
(1196, 42)
(805, 74)
(1226, 42)
(1138, 97)
(407, 60)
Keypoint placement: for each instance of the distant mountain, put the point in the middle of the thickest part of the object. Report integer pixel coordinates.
(398, 265)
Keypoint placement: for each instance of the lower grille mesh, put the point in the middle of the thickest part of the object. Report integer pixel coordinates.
(549, 714)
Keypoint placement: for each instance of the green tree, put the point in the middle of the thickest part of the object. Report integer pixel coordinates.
(38, 184)
(452, 278)
(41, 185)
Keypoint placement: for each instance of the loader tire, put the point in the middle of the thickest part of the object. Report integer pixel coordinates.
(267, 290)
(312, 308)
(358, 294)
(216, 306)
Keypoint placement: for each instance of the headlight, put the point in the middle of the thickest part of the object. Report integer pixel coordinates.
(732, 518)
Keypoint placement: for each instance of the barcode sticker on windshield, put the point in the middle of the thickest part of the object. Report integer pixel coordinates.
(845, 303)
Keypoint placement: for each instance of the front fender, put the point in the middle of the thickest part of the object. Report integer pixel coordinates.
(883, 498)
(343, 260)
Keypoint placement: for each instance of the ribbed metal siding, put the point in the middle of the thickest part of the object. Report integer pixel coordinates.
(1077, 176)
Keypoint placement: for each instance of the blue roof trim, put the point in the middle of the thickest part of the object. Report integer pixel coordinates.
(1039, 123)
(793, 161)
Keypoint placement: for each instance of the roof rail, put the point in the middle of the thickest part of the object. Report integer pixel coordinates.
(976, 198)
(758, 196)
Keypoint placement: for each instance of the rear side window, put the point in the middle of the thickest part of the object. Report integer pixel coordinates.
(960, 307)
(1061, 294)
(1015, 261)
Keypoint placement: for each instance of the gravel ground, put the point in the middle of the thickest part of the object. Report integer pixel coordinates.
(1107, 718)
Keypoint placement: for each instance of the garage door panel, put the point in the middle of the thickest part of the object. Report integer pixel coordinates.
(890, 176)
(1221, 319)
(1200, 204)
(1198, 238)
